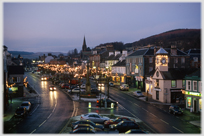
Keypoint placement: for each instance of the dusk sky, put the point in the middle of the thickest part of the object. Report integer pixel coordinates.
(60, 27)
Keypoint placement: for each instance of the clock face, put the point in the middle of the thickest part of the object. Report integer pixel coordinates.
(163, 60)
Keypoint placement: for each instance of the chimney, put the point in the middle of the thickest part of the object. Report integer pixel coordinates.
(155, 50)
(117, 52)
(124, 52)
(173, 50)
(111, 53)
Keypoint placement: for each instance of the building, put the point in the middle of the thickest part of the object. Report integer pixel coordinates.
(193, 91)
(167, 83)
(85, 51)
(195, 57)
(141, 62)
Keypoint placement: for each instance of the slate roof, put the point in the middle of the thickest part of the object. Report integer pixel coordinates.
(150, 51)
(120, 64)
(161, 51)
(176, 73)
(139, 52)
(15, 70)
(194, 74)
(113, 57)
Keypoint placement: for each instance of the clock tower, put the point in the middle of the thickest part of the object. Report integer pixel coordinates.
(161, 60)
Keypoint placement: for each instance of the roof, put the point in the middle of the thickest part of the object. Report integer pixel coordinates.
(194, 74)
(15, 70)
(120, 63)
(139, 52)
(113, 57)
(161, 51)
(176, 73)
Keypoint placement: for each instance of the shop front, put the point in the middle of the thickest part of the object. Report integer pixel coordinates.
(139, 82)
(176, 96)
(193, 101)
(148, 86)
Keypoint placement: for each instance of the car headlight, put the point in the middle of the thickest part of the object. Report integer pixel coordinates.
(50, 88)
(54, 88)
(41, 78)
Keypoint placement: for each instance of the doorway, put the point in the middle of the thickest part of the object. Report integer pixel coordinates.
(194, 106)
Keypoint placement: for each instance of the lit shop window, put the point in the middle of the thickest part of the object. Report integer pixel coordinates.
(200, 104)
(188, 102)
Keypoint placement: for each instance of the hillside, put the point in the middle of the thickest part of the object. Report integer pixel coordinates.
(182, 38)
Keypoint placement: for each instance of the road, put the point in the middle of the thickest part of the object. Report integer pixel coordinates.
(158, 120)
(50, 115)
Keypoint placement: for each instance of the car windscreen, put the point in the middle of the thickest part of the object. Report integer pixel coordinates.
(24, 104)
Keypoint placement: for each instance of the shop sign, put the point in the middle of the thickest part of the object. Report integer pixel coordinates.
(156, 89)
(13, 89)
(193, 93)
(148, 81)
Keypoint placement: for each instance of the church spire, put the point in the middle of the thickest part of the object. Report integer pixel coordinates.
(84, 45)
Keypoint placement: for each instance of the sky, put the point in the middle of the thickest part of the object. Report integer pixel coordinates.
(61, 26)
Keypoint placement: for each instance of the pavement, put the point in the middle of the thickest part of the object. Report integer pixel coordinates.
(193, 118)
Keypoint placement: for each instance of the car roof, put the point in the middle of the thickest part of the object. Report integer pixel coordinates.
(93, 113)
(25, 102)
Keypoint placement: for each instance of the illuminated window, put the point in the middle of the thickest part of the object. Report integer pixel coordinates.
(15, 79)
(173, 83)
(122, 79)
(188, 102)
(200, 104)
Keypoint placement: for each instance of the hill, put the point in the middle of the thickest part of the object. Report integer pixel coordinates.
(183, 38)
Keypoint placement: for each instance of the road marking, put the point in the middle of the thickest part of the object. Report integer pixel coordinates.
(145, 110)
(136, 104)
(177, 129)
(33, 131)
(164, 121)
(42, 123)
(153, 114)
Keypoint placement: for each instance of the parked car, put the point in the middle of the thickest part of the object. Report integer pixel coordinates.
(77, 90)
(83, 86)
(111, 84)
(95, 125)
(74, 86)
(124, 87)
(124, 126)
(52, 88)
(138, 93)
(64, 85)
(95, 117)
(101, 102)
(20, 112)
(87, 126)
(175, 110)
(82, 131)
(95, 91)
(135, 131)
(26, 104)
(115, 121)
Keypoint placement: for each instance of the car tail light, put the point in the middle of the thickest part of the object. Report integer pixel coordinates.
(97, 101)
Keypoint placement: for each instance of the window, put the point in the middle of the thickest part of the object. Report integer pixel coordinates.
(157, 95)
(195, 59)
(150, 60)
(188, 85)
(157, 82)
(150, 69)
(183, 60)
(175, 60)
(15, 80)
(173, 83)
(195, 86)
(183, 83)
(188, 102)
